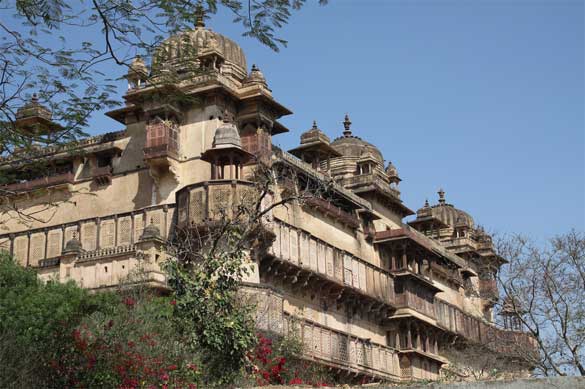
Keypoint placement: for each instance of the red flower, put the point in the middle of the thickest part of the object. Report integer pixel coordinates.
(172, 367)
(129, 301)
(296, 381)
(174, 302)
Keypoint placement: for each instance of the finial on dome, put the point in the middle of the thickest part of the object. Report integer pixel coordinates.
(226, 116)
(427, 203)
(199, 16)
(315, 125)
(347, 126)
(441, 193)
(34, 99)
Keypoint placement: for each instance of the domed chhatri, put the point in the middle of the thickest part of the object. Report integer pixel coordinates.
(201, 44)
(73, 245)
(226, 135)
(151, 232)
(255, 77)
(350, 145)
(447, 213)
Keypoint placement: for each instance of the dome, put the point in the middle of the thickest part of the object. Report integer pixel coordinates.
(255, 77)
(137, 68)
(150, 232)
(200, 41)
(72, 245)
(33, 108)
(226, 135)
(349, 145)
(448, 214)
(391, 170)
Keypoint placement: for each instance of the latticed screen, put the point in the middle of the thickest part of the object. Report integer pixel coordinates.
(160, 132)
(37, 248)
(89, 236)
(107, 234)
(196, 209)
(54, 243)
(124, 231)
(257, 142)
(138, 226)
(21, 249)
(220, 201)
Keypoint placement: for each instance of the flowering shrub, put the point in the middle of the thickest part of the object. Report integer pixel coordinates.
(277, 363)
(135, 346)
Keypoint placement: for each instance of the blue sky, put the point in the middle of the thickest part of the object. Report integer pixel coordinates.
(482, 98)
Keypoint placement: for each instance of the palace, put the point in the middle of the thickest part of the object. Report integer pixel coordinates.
(373, 296)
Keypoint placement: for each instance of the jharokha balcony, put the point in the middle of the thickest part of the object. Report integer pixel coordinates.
(333, 211)
(210, 201)
(41, 182)
(161, 141)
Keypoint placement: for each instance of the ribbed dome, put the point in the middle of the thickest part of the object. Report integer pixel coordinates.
(349, 145)
(227, 136)
(255, 77)
(198, 42)
(452, 216)
(447, 213)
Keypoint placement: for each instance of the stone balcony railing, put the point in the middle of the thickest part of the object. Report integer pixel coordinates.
(214, 200)
(335, 212)
(370, 179)
(42, 182)
(337, 349)
(340, 349)
(309, 258)
(472, 328)
(102, 175)
(160, 151)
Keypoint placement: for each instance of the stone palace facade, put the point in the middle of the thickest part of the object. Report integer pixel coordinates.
(374, 297)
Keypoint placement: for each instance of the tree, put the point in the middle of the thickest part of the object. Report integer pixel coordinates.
(212, 258)
(543, 292)
(36, 322)
(43, 65)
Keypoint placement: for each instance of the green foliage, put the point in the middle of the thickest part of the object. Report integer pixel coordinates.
(37, 319)
(135, 344)
(210, 315)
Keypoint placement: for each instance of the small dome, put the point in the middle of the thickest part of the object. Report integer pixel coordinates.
(349, 145)
(72, 245)
(314, 134)
(33, 109)
(226, 135)
(137, 68)
(151, 232)
(199, 42)
(391, 170)
(255, 77)
(447, 213)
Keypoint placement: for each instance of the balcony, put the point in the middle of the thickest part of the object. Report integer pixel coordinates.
(209, 202)
(488, 289)
(160, 151)
(161, 143)
(457, 322)
(370, 179)
(102, 175)
(303, 261)
(335, 212)
(53, 181)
